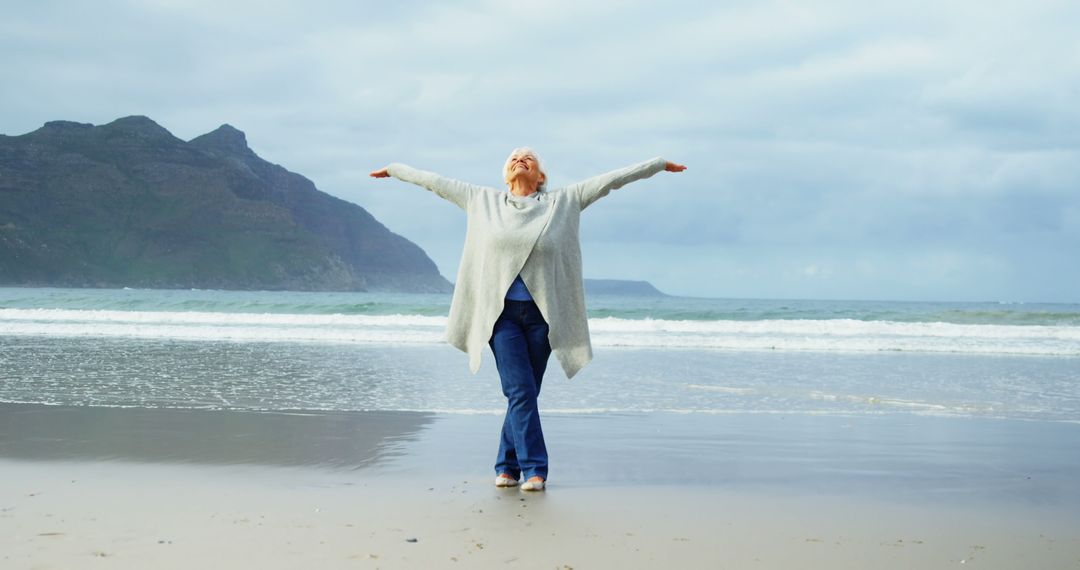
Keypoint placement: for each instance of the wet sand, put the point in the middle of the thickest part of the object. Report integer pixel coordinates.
(137, 488)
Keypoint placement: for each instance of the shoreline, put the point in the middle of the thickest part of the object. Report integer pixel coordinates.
(921, 458)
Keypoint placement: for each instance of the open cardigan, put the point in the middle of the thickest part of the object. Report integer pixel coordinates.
(535, 236)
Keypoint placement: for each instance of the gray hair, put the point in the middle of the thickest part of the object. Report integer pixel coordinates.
(518, 152)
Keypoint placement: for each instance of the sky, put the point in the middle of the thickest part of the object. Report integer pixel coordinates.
(835, 149)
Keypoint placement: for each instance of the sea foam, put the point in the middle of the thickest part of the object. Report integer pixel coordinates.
(817, 335)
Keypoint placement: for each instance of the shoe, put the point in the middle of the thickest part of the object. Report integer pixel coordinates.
(504, 480)
(533, 484)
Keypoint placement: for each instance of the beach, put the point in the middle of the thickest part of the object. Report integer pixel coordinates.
(178, 429)
(135, 488)
(771, 285)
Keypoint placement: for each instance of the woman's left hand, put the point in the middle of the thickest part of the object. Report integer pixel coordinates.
(672, 167)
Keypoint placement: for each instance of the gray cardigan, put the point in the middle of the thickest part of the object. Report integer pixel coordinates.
(536, 237)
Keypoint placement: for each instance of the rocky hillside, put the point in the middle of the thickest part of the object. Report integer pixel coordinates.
(129, 204)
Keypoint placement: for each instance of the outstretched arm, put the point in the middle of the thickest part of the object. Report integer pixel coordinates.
(455, 191)
(592, 189)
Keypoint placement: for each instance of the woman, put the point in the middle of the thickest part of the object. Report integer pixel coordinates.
(519, 288)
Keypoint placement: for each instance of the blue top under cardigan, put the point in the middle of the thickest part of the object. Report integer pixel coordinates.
(518, 291)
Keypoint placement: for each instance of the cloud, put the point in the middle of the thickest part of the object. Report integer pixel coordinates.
(872, 142)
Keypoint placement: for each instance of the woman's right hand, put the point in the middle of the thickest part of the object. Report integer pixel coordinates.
(383, 172)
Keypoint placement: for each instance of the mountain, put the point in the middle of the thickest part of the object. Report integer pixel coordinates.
(129, 204)
(621, 287)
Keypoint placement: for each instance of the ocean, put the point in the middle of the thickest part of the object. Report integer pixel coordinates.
(300, 351)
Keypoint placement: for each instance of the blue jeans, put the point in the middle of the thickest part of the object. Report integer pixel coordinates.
(519, 341)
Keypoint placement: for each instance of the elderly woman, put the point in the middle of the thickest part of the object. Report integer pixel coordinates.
(519, 288)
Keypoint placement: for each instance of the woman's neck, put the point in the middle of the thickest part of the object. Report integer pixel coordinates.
(521, 188)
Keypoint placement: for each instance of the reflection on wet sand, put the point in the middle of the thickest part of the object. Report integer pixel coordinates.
(331, 439)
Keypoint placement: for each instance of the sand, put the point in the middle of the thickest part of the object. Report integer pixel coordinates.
(108, 488)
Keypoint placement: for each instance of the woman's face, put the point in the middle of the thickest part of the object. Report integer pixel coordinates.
(525, 167)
